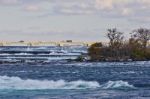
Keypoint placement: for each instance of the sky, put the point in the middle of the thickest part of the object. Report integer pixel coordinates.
(78, 20)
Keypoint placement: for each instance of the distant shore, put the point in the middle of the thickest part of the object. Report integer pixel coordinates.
(47, 43)
(84, 60)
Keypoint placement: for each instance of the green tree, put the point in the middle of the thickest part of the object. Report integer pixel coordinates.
(135, 49)
(142, 35)
(95, 51)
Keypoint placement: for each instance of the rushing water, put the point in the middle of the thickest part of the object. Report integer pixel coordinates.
(75, 81)
(43, 79)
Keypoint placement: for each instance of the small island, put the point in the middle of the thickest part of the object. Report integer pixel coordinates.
(135, 48)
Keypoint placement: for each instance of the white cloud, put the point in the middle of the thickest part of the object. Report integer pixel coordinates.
(110, 4)
(9, 1)
(32, 8)
(109, 8)
(73, 11)
(104, 4)
(127, 11)
(145, 1)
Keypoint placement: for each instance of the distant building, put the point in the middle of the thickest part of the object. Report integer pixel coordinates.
(69, 41)
(21, 41)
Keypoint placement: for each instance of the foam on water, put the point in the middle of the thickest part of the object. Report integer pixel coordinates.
(29, 84)
(117, 85)
(23, 54)
(16, 83)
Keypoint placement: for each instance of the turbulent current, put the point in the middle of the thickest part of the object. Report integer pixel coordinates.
(128, 80)
(32, 74)
(17, 83)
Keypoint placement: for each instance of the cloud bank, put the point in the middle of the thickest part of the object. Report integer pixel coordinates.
(75, 7)
(80, 16)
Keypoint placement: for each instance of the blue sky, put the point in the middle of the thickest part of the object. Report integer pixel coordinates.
(79, 20)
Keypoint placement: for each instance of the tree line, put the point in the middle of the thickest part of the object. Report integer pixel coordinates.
(118, 49)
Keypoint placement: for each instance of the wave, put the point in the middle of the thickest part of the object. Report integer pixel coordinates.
(29, 84)
(23, 54)
(16, 83)
(117, 85)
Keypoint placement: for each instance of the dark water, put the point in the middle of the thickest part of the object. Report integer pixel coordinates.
(62, 80)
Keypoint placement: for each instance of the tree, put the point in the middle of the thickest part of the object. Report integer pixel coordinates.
(142, 35)
(115, 41)
(135, 49)
(95, 51)
(114, 36)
